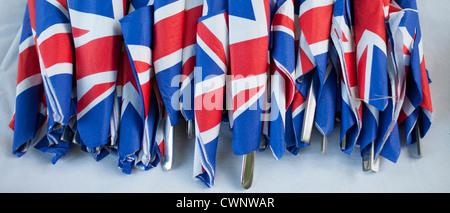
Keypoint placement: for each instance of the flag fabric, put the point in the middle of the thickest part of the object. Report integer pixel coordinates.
(137, 126)
(282, 72)
(387, 119)
(388, 141)
(193, 11)
(248, 30)
(417, 106)
(212, 64)
(56, 67)
(371, 60)
(295, 117)
(125, 70)
(97, 38)
(295, 113)
(344, 44)
(28, 91)
(311, 67)
(168, 48)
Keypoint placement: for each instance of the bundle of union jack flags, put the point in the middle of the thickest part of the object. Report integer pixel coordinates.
(112, 75)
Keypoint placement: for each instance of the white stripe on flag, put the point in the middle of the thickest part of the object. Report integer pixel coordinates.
(53, 30)
(86, 83)
(28, 83)
(168, 61)
(169, 10)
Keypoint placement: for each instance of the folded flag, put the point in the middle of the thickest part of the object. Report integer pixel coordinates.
(212, 64)
(97, 37)
(248, 30)
(28, 92)
(417, 107)
(192, 12)
(315, 24)
(56, 66)
(344, 44)
(136, 128)
(371, 60)
(168, 48)
(282, 73)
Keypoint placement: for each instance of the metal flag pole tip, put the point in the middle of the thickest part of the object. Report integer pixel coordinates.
(324, 145)
(344, 142)
(248, 165)
(419, 144)
(189, 129)
(370, 164)
(168, 144)
(310, 111)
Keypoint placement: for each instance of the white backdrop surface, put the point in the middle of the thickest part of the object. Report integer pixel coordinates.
(309, 171)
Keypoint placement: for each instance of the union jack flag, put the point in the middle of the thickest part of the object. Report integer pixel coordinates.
(212, 65)
(167, 62)
(282, 72)
(344, 44)
(136, 128)
(295, 114)
(417, 106)
(28, 92)
(248, 30)
(97, 37)
(315, 24)
(56, 67)
(193, 11)
(371, 59)
(168, 49)
(388, 141)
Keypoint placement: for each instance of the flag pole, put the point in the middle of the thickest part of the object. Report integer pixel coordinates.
(168, 143)
(344, 142)
(323, 148)
(419, 144)
(310, 111)
(189, 129)
(370, 164)
(248, 165)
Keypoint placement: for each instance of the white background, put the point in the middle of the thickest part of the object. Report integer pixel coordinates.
(309, 171)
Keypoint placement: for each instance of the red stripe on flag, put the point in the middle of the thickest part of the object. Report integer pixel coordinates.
(92, 94)
(350, 61)
(211, 104)
(63, 3)
(244, 96)
(426, 98)
(316, 23)
(49, 54)
(298, 100)
(369, 15)
(28, 64)
(190, 25)
(307, 64)
(244, 62)
(188, 68)
(212, 42)
(141, 66)
(77, 32)
(168, 35)
(98, 55)
(281, 19)
(362, 74)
